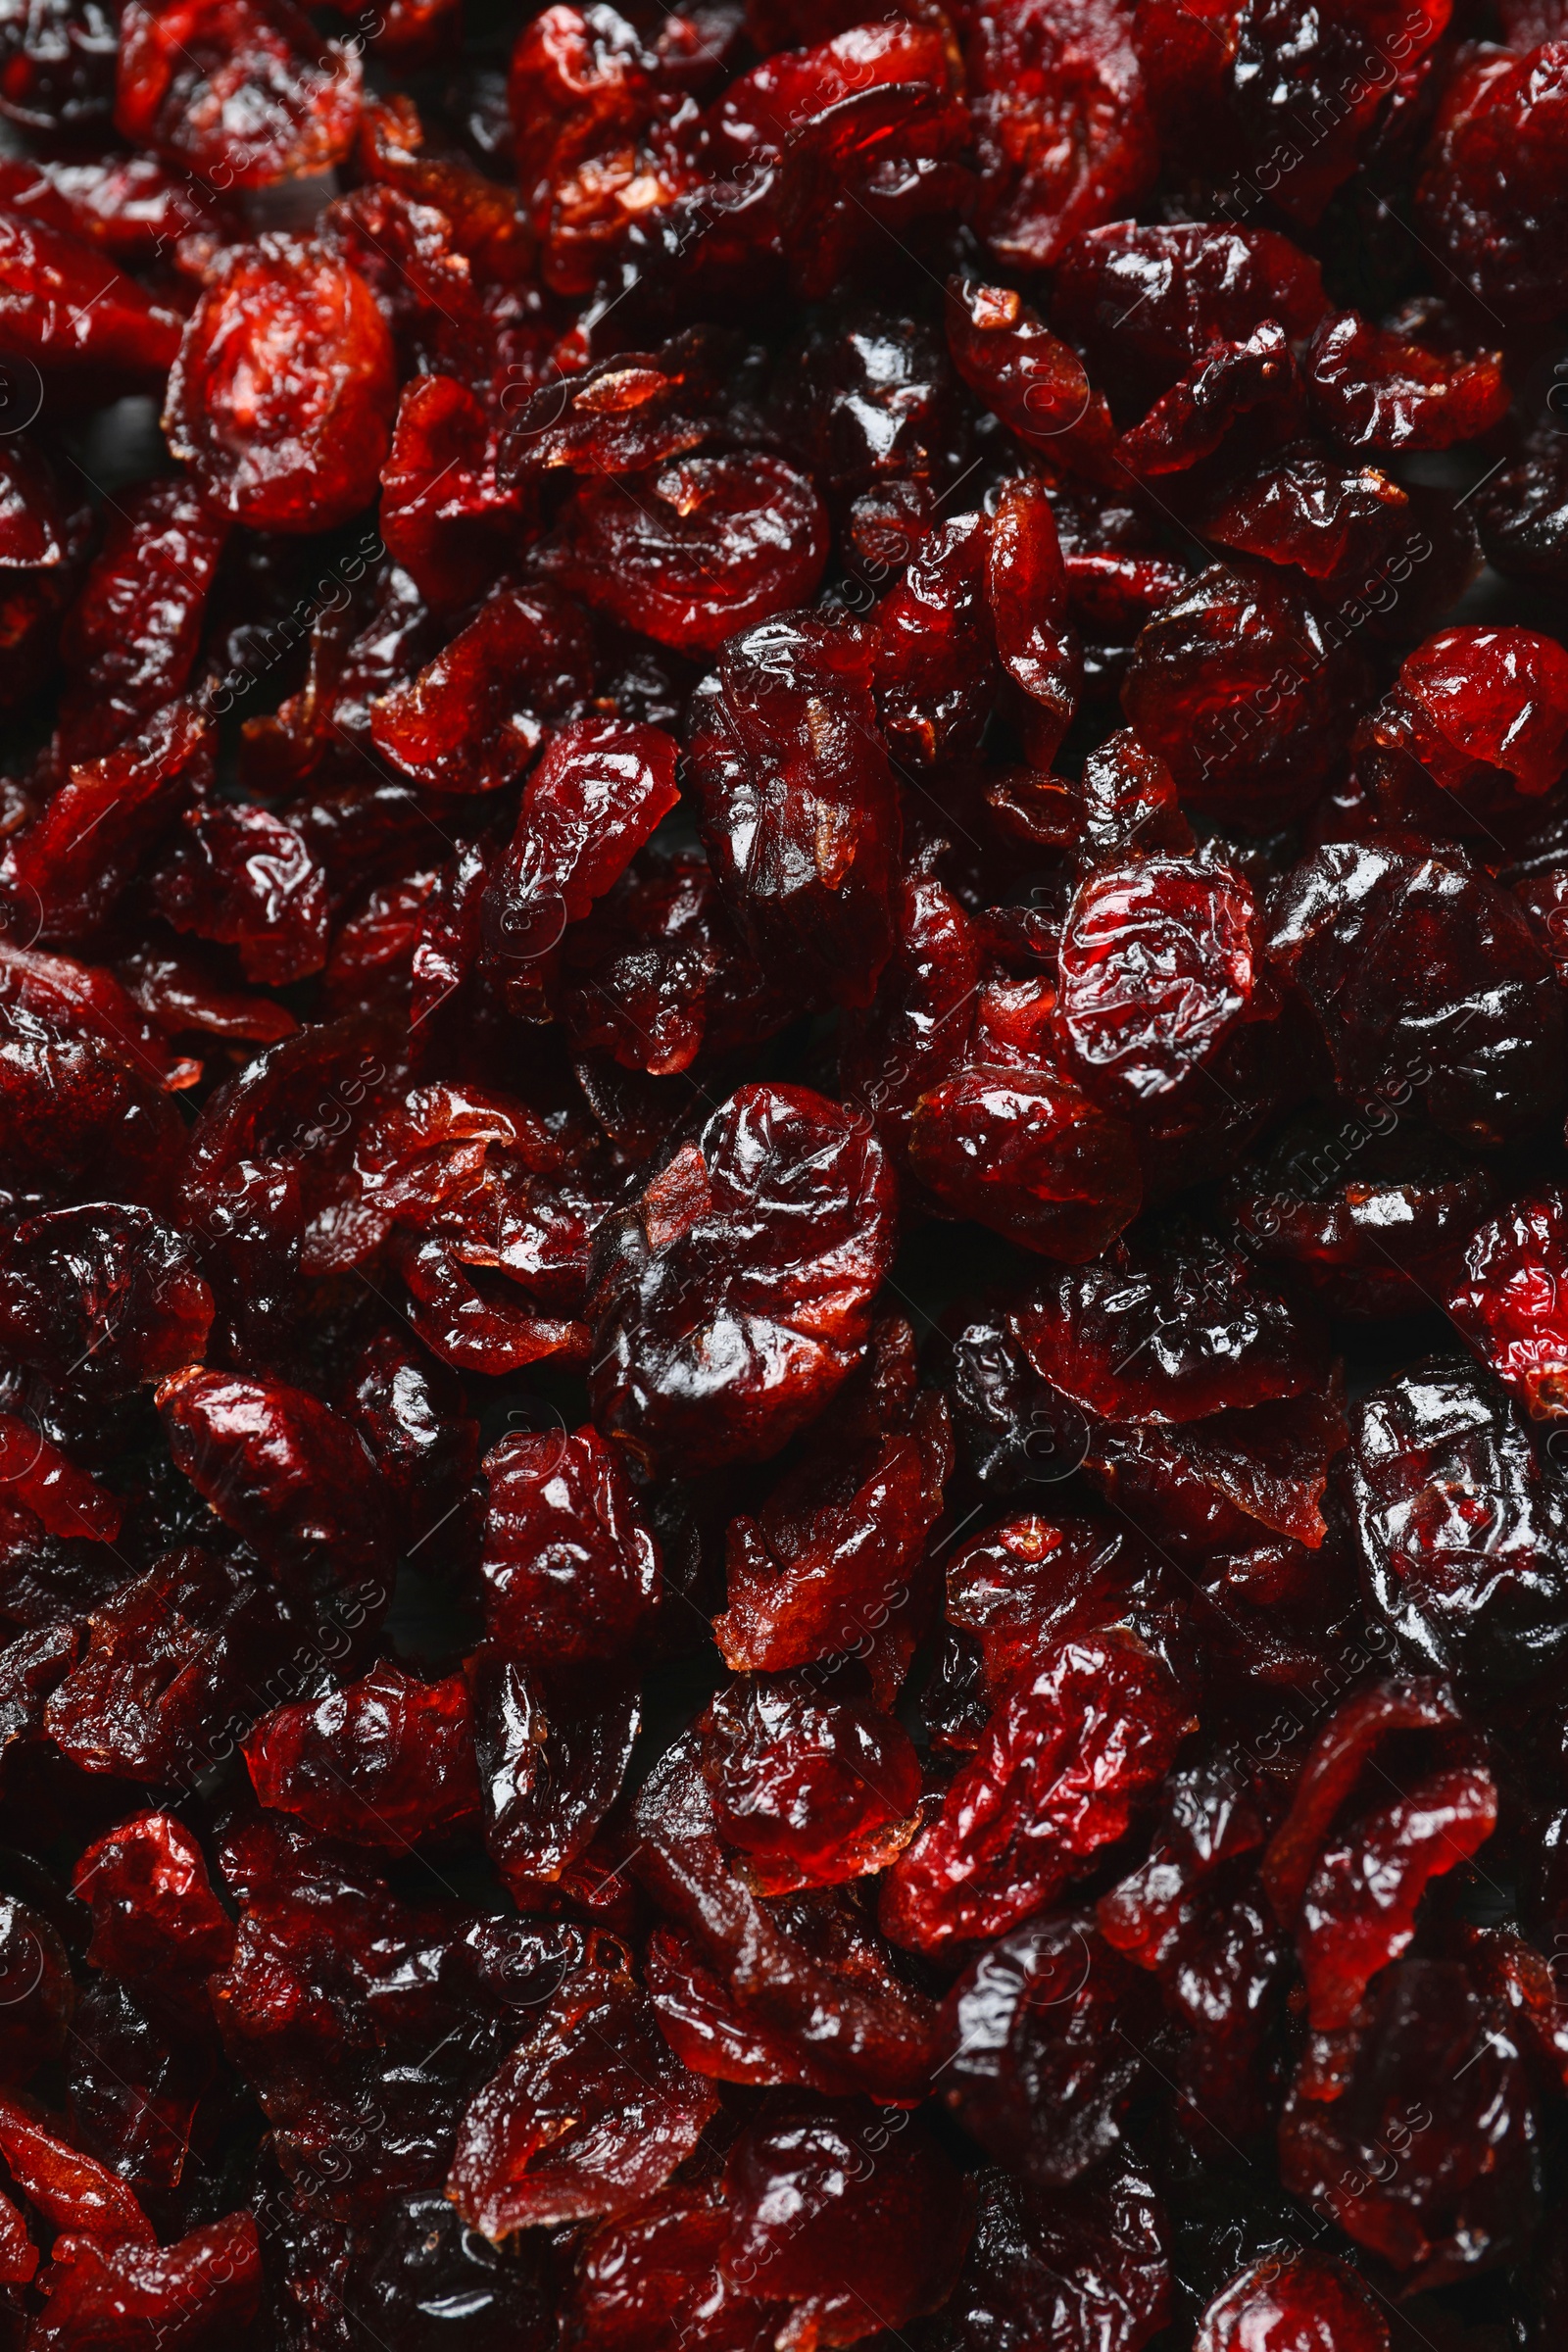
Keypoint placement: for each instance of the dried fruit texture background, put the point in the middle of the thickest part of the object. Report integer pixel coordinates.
(784, 1263)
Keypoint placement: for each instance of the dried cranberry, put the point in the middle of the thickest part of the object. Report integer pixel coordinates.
(734, 1299)
(1064, 1759)
(1461, 1520)
(798, 802)
(295, 447)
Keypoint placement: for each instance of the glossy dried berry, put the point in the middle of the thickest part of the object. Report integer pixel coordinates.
(698, 551)
(735, 1297)
(1283, 2304)
(385, 1762)
(1461, 1520)
(570, 1569)
(296, 444)
(1169, 1337)
(1468, 1017)
(589, 2115)
(799, 806)
(1063, 1761)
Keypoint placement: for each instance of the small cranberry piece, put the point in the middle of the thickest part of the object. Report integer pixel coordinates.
(1238, 684)
(1522, 514)
(283, 447)
(166, 1669)
(444, 517)
(385, 1762)
(1360, 1909)
(589, 2115)
(1229, 1480)
(64, 305)
(587, 808)
(179, 2295)
(1463, 2194)
(242, 92)
(658, 976)
(1238, 395)
(132, 639)
(570, 1570)
(937, 677)
(1063, 135)
(72, 2191)
(154, 1912)
(735, 1297)
(19, 2256)
(76, 857)
(1031, 1583)
(102, 1295)
(1142, 303)
(1064, 1760)
(916, 1030)
(1487, 197)
(237, 874)
(1376, 390)
(1027, 591)
(1039, 2064)
(474, 716)
(1507, 1304)
(1461, 1522)
(799, 806)
(798, 1991)
(1422, 973)
(1086, 2264)
(1335, 1764)
(1376, 1214)
(552, 1745)
(830, 1557)
(282, 1470)
(1158, 966)
(1294, 2304)
(851, 2246)
(808, 1787)
(1341, 77)
(1026, 1152)
(56, 66)
(1029, 377)
(696, 551)
(599, 136)
(1169, 1337)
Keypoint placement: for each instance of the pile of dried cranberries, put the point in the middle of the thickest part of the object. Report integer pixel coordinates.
(784, 1261)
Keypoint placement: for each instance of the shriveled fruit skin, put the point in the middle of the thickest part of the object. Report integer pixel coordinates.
(1487, 194)
(1065, 140)
(798, 803)
(1467, 2191)
(589, 2115)
(296, 446)
(1083, 2265)
(1508, 1302)
(240, 91)
(1461, 1513)
(570, 1569)
(698, 550)
(1281, 2304)
(1063, 1761)
(1239, 686)
(1169, 1337)
(1421, 972)
(735, 1297)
